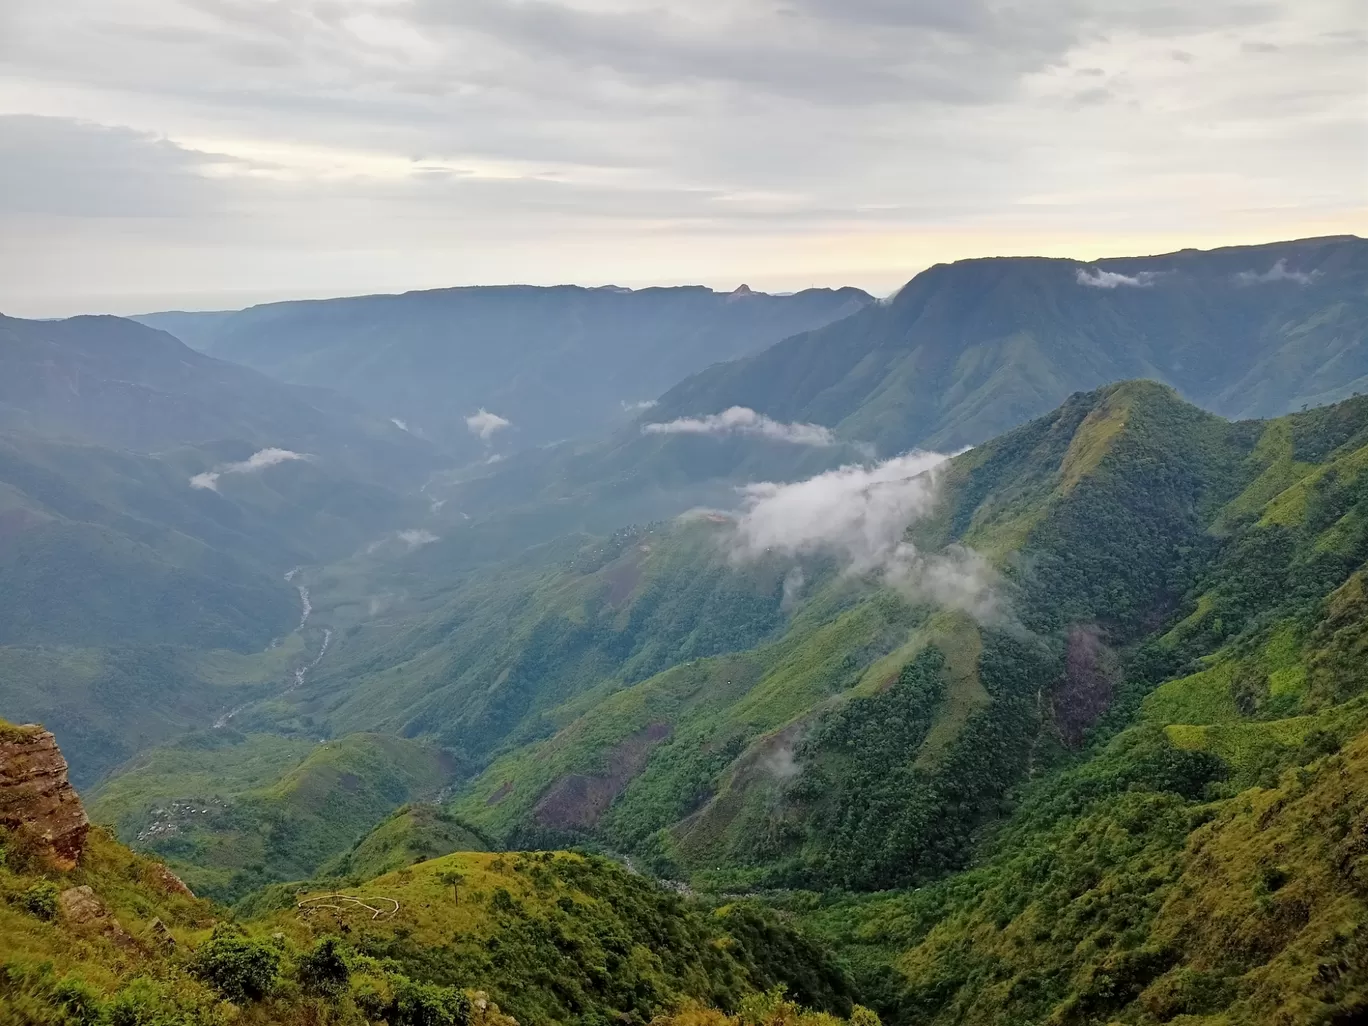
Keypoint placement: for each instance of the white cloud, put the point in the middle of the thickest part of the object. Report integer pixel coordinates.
(859, 515)
(1278, 272)
(259, 460)
(485, 424)
(741, 420)
(793, 588)
(417, 538)
(401, 425)
(636, 407)
(1099, 279)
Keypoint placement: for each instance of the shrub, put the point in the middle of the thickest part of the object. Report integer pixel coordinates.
(241, 969)
(40, 900)
(426, 1004)
(323, 972)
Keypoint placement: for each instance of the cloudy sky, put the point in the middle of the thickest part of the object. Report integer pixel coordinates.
(209, 153)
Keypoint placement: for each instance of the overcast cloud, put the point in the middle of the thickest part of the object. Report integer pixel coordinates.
(217, 152)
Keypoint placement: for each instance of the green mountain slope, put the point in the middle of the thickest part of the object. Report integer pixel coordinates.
(1135, 799)
(234, 811)
(824, 756)
(495, 654)
(553, 361)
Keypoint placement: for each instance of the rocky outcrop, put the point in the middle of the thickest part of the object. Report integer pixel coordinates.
(81, 907)
(171, 882)
(35, 796)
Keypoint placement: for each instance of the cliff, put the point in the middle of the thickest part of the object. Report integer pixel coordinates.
(35, 796)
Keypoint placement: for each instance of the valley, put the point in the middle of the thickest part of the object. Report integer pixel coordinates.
(993, 653)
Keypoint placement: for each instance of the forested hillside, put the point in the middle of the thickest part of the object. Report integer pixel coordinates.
(1065, 728)
(1176, 670)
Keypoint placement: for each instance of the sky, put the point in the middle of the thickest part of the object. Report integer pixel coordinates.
(204, 154)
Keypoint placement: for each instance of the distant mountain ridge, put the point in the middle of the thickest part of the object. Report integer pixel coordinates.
(964, 352)
(552, 361)
(118, 383)
(967, 350)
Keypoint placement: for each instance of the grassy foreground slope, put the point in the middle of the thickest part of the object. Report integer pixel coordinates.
(552, 938)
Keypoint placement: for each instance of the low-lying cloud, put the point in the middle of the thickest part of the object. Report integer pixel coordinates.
(401, 542)
(859, 515)
(1096, 278)
(1278, 272)
(259, 460)
(485, 424)
(637, 407)
(416, 539)
(741, 420)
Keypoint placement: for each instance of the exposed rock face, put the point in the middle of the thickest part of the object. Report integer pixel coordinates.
(172, 883)
(577, 801)
(36, 797)
(81, 907)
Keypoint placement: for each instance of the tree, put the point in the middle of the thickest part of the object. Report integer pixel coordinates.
(452, 878)
(324, 971)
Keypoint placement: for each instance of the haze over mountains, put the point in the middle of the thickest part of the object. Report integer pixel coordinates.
(959, 626)
(967, 350)
(551, 362)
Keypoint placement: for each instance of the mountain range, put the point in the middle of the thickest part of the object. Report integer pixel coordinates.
(551, 362)
(1063, 724)
(964, 352)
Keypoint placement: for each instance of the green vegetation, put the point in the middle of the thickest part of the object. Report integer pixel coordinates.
(553, 938)
(233, 812)
(1181, 664)
(414, 833)
(1133, 794)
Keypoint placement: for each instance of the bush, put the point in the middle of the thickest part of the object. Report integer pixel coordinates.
(323, 972)
(40, 900)
(426, 1004)
(32, 993)
(241, 969)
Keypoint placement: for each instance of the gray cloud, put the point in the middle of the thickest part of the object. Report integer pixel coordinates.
(309, 147)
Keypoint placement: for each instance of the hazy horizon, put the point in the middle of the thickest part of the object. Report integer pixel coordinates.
(199, 154)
